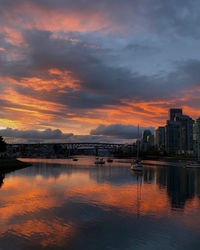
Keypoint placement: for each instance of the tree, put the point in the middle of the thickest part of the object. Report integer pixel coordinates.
(2, 145)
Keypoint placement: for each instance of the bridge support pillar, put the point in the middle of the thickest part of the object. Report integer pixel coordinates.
(96, 151)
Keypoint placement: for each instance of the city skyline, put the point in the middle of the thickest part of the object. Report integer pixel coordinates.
(96, 69)
(179, 132)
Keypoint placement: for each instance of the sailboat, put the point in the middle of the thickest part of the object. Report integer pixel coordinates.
(137, 165)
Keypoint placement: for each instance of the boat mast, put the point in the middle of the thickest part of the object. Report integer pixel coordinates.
(198, 142)
(138, 144)
(198, 149)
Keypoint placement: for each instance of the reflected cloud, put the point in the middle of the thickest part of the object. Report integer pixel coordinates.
(80, 193)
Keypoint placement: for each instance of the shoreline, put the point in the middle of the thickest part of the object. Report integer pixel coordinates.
(145, 158)
(7, 165)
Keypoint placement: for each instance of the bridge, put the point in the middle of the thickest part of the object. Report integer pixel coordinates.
(71, 144)
(66, 149)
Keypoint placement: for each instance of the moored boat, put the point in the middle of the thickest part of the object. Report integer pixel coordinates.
(109, 160)
(99, 161)
(137, 166)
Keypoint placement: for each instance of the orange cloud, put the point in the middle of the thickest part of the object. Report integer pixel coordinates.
(44, 18)
(54, 80)
(33, 111)
(25, 111)
(12, 35)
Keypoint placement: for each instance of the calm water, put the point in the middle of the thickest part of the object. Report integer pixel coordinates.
(60, 204)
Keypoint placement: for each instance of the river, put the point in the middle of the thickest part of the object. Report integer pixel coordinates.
(61, 204)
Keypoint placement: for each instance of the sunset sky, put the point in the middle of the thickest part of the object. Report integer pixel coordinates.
(91, 69)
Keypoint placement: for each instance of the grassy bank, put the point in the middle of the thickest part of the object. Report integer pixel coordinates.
(7, 165)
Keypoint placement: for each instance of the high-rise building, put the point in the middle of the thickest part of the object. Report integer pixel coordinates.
(196, 137)
(147, 140)
(186, 133)
(173, 113)
(159, 138)
(179, 132)
(172, 136)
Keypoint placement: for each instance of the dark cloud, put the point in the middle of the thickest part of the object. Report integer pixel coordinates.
(100, 84)
(172, 16)
(119, 131)
(88, 65)
(49, 135)
(35, 134)
(189, 71)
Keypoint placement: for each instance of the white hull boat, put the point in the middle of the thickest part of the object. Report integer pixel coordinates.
(137, 166)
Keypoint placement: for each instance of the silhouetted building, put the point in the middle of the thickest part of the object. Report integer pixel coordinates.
(179, 133)
(172, 136)
(186, 133)
(147, 140)
(173, 113)
(159, 138)
(196, 138)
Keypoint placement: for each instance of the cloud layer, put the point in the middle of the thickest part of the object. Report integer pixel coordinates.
(119, 131)
(117, 135)
(73, 65)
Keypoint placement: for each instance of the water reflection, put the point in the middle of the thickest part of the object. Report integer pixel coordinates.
(2, 176)
(181, 183)
(57, 204)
